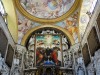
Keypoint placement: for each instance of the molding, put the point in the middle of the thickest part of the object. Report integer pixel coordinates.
(80, 7)
(25, 38)
(41, 20)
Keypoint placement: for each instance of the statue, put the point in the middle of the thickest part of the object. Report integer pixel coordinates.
(16, 61)
(5, 70)
(97, 62)
(80, 71)
(3, 67)
(16, 71)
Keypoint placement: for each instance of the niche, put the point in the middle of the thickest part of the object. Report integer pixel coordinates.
(9, 57)
(86, 55)
(3, 43)
(93, 41)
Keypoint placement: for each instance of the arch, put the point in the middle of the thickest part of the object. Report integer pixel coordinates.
(25, 38)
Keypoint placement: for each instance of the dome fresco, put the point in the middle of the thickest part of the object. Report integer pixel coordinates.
(47, 9)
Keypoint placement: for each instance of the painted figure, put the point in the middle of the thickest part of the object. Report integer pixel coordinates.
(47, 8)
(55, 56)
(40, 55)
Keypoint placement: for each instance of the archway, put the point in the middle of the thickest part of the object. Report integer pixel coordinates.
(42, 50)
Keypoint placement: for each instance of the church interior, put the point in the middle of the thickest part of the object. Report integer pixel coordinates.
(50, 37)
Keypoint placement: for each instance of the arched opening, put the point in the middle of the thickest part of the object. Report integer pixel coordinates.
(47, 46)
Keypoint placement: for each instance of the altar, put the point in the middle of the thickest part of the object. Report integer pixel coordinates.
(48, 67)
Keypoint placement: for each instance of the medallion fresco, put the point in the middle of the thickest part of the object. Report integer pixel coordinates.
(47, 9)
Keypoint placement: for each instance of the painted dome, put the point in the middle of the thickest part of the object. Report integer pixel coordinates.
(47, 9)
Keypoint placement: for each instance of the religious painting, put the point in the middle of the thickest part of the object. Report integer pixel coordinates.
(48, 56)
(48, 51)
(56, 41)
(48, 41)
(40, 41)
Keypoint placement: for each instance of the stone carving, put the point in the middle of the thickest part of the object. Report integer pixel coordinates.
(4, 70)
(29, 60)
(16, 71)
(94, 66)
(80, 70)
(79, 66)
(17, 68)
(67, 58)
(97, 62)
(90, 69)
(16, 65)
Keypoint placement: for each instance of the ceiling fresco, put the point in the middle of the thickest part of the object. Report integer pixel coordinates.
(24, 25)
(70, 24)
(47, 9)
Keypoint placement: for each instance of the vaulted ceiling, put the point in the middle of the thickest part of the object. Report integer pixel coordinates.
(62, 13)
(70, 15)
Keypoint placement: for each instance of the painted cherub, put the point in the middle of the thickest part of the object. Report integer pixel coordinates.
(24, 25)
